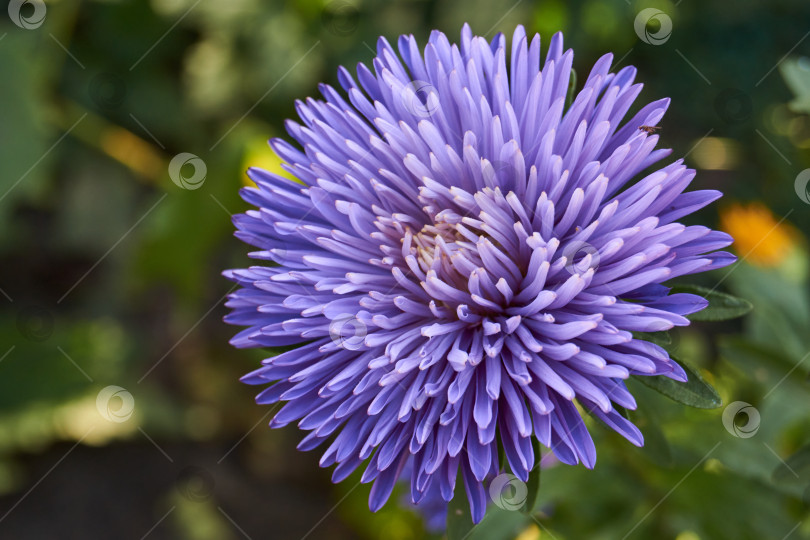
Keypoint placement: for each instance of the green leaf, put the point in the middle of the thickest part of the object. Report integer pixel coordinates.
(23, 129)
(696, 392)
(721, 306)
(795, 469)
(459, 516)
(533, 485)
(572, 88)
(734, 348)
(500, 524)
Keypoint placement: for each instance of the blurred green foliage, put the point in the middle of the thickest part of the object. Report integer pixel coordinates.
(110, 273)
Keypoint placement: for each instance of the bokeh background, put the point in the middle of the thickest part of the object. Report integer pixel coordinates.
(110, 271)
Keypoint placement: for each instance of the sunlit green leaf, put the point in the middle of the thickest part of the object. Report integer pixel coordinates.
(796, 73)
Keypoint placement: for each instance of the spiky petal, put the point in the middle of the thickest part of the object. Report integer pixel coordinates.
(463, 260)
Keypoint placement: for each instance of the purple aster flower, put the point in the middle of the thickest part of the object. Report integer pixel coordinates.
(463, 260)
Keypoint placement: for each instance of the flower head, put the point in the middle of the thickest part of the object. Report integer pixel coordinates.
(464, 260)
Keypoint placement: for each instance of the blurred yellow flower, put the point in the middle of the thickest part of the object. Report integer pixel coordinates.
(758, 236)
(532, 532)
(259, 154)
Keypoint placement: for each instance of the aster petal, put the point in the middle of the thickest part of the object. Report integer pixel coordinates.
(461, 259)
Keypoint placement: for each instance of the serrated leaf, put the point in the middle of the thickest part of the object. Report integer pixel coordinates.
(795, 469)
(721, 306)
(696, 392)
(459, 515)
(533, 485)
